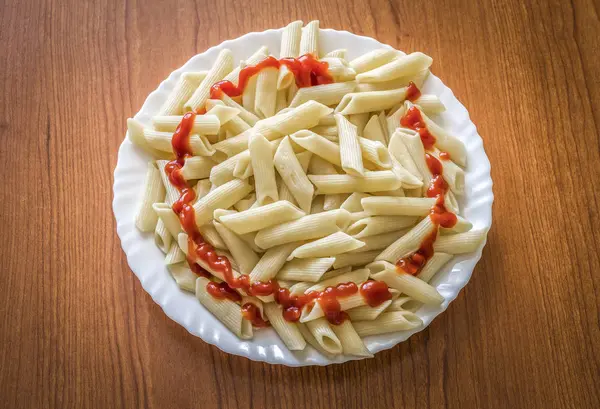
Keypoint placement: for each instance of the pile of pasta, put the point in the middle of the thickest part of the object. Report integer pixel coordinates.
(314, 187)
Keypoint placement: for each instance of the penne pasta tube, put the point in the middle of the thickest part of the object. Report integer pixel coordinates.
(243, 254)
(248, 117)
(375, 181)
(306, 228)
(290, 40)
(154, 191)
(328, 94)
(287, 331)
(375, 152)
(350, 149)
(398, 206)
(360, 102)
(380, 241)
(328, 132)
(460, 243)
(434, 264)
(401, 304)
(351, 342)
(453, 175)
(203, 124)
(246, 203)
(373, 59)
(354, 259)
(417, 79)
(318, 145)
(311, 340)
(174, 255)
(462, 226)
(374, 225)
(354, 202)
(331, 202)
(404, 283)
(409, 243)
(197, 167)
(266, 92)
(261, 155)
(388, 322)
(222, 66)
(318, 205)
(161, 141)
(332, 245)
(261, 217)
(323, 333)
(360, 121)
(293, 175)
(169, 218)
(222, 197)
(271, 262)
(183, 276)
(373, 131)
(210, 234)
(183, 90)
(339, 69)
(249, 94)
(314, 311)
(430, 104)
(406, 65)
(226, 311)
(254, 59)
(368, 313)
(407, 149)
(162, 237)
(335, 273)
(308, 269)
(309, 39)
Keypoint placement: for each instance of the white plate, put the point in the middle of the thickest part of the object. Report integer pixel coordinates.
(147, 261)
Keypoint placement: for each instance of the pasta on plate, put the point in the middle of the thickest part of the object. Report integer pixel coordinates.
(308, 193)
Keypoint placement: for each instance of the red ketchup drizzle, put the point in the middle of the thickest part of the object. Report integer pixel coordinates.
(307, 70)
(413, 120)
(438, 187)
(375, 292)
(412, 92)
(221, 291)
(251, 313)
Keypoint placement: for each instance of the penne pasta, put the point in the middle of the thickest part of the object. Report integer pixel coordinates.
(376, 181)
(405, 65)
(379, 241)
(323, 333)
(262, 217)
(356, 276)
(271, 262)
(183, 276)
(373, 59)
(222, 197)
(460, 243)
(306, 228)
(350, 149)
(197, 167)
(308, 269)
(266, 92)
(293, 175)
(162, 237)
(373, 131)
(154, 191)
(203, 124)
(226, 311)
(183, 90)
(355, 259)
(405, 283)
(287, 331)
(409, 243)
(351, 342)
(360, 102)
(174, 255)
(254, 59)
(315, 311)
(261, 155)
(375, 152)
(318, 145)
(309, 40)
(368, 313)
(242, 253)
(328, 94)
(388, 322)
(398, 206)
(434, 264)
(339, 53)
(332, 245)
(222, 66)
(374, 225)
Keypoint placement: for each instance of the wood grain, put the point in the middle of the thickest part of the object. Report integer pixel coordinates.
(78, 331)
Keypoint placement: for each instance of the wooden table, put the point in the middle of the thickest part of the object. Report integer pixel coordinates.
(77, 330)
